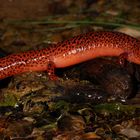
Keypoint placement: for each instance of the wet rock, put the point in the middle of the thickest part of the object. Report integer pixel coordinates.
(85, 93)
(115, 80)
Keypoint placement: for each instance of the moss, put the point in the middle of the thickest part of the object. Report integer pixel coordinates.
(8, 100)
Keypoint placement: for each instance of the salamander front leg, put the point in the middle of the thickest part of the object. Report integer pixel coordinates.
(51, 71)
(122, 58)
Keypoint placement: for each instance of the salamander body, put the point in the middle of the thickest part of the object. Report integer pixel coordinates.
(72, 51)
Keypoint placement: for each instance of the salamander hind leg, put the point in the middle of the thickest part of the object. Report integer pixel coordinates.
(51, 71)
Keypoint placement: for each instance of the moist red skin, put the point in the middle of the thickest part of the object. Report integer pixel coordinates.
(72, 51)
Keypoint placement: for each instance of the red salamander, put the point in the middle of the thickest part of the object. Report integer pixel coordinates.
(72, 51)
